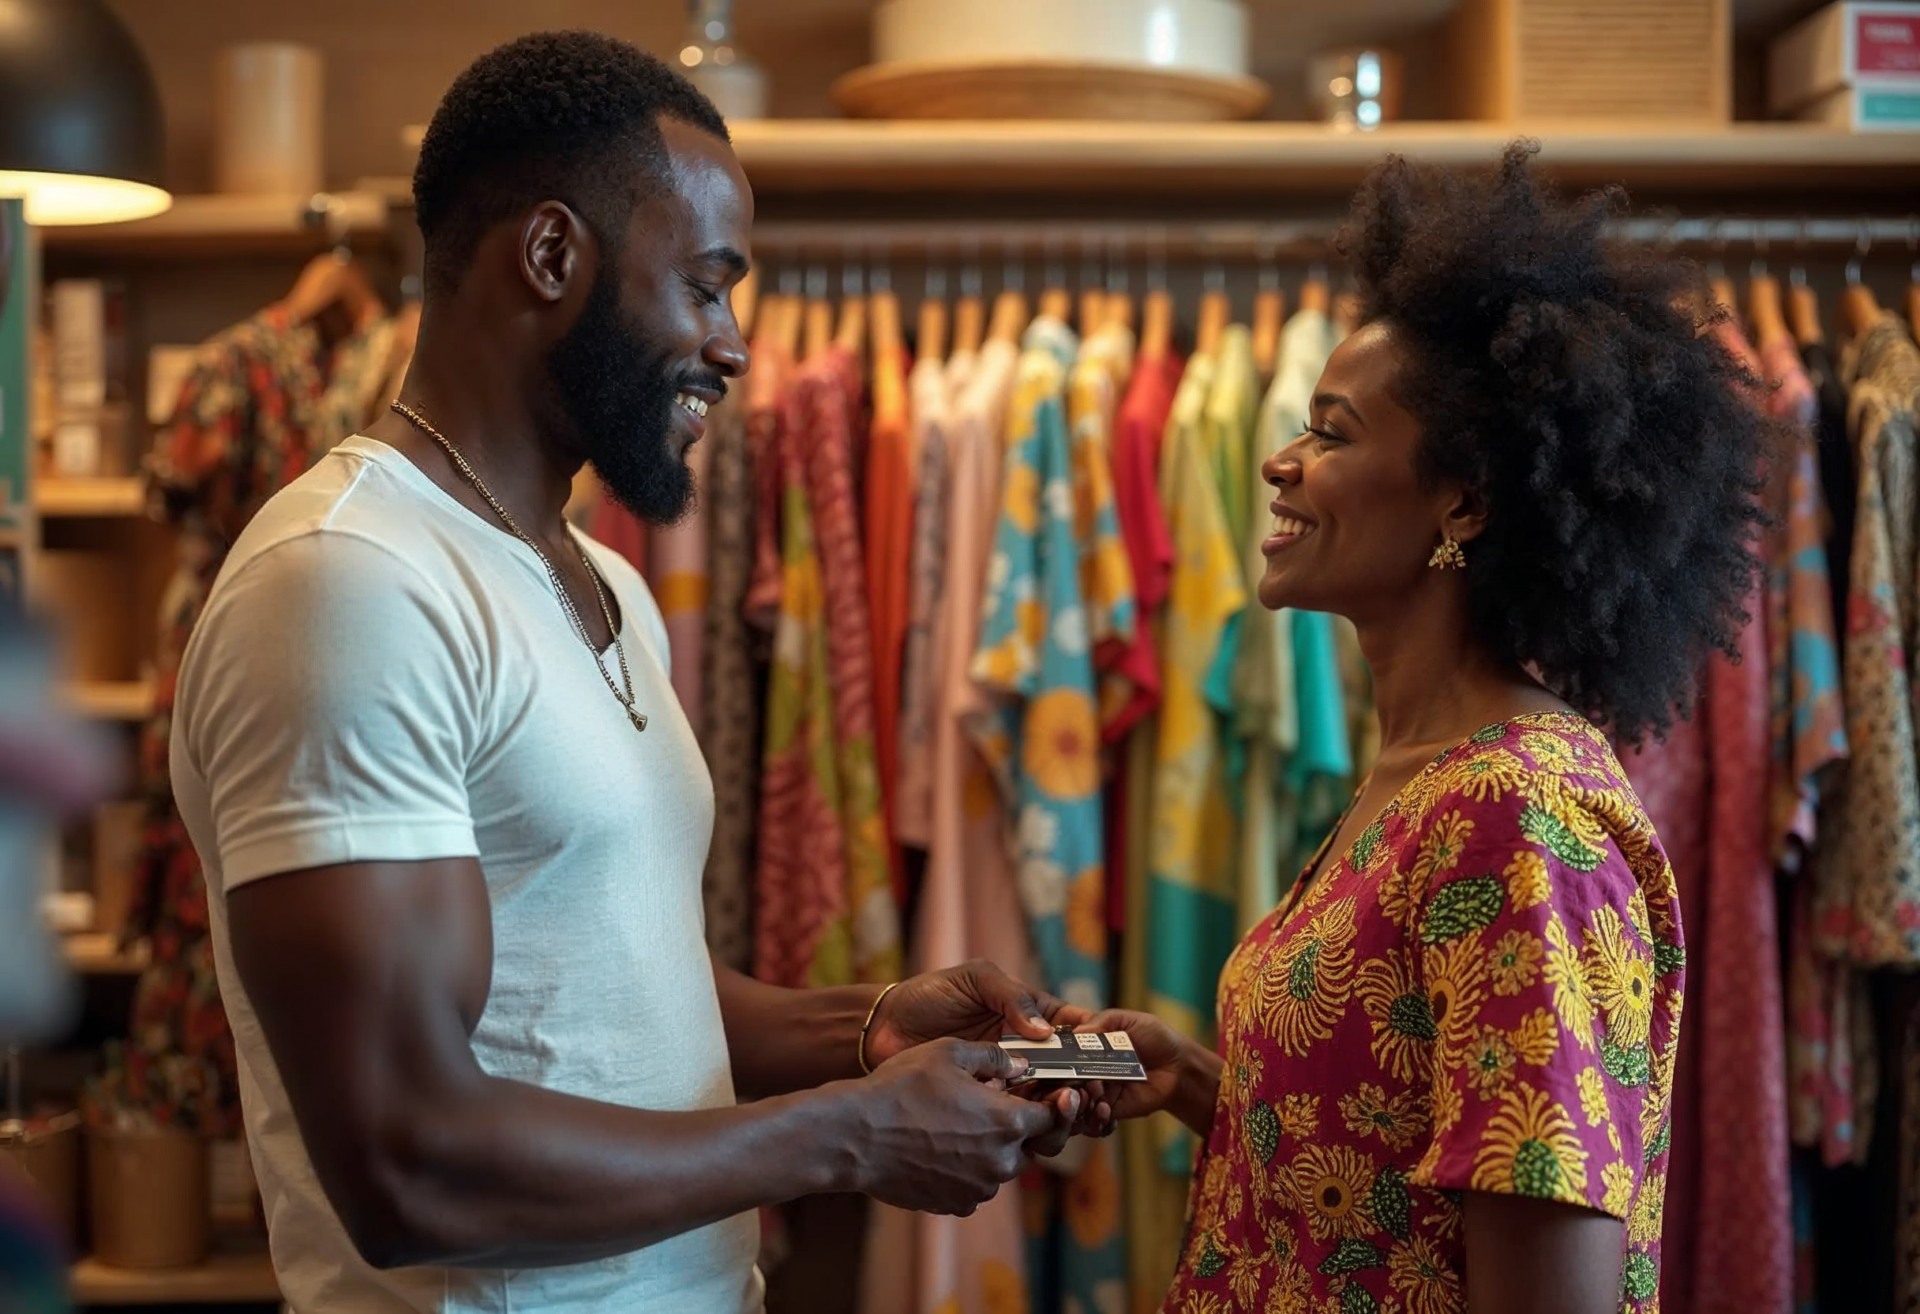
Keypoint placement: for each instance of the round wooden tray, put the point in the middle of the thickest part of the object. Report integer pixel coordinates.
(1044, 89)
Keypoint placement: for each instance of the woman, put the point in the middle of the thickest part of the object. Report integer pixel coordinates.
(1446, 1059)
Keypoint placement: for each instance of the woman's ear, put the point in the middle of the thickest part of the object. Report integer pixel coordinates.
(1466, 516)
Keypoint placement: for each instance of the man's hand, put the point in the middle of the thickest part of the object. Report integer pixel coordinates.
(974, 1001)
(937, 1131)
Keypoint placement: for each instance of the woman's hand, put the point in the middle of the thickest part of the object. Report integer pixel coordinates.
(1182, 1077)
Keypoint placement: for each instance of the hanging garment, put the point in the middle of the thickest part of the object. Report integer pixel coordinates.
(1042, 737)
(1227, 432)
(1733, 1139)
(1809, 721)
(1838, 483)
(263, 401)
(734, 652)
(889, 558)
(676, 570)
(930, 407)
(1195, 856)
(826, 911)
(1098, 379)
(1153, 1201)
(1042, 740)
(1867, 899)
(610, 523)
(1482, 994)
(968, 906)
(1138, 427)
(1284, 768)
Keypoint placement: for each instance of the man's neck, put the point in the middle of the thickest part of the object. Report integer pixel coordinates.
(468, 389)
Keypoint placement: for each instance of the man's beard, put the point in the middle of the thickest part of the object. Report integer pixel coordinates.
(612, 384)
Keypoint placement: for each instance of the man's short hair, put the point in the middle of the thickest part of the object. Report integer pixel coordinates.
(567, 116)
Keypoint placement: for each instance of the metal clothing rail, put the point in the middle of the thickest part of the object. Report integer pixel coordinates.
(1293, 239)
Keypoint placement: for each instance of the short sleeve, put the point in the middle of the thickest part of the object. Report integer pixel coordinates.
(328, 707)
(1553, 1052)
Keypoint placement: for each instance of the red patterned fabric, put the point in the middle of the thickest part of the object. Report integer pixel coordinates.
(1483, 994)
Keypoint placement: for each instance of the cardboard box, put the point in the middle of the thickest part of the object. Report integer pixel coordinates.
(1866, 109)
(1847, 44)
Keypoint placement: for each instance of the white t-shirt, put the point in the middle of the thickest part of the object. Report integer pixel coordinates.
(381, 674)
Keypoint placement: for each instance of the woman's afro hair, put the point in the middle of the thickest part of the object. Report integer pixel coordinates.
(1618, 448)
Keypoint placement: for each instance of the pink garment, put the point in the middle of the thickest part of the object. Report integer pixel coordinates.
(677, 573)
(621, 530)
(1708, 791)
(918, 1263)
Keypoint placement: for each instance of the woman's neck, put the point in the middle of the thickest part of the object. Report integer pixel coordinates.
(1435, 682)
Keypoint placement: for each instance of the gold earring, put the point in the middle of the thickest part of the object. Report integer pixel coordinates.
(1448, 555)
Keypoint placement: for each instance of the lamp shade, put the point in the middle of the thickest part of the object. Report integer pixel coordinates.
(81, 135)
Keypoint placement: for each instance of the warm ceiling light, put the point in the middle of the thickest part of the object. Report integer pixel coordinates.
(81, 135)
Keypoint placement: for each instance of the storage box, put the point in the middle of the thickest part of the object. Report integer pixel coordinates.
(1866, 109)
(1525, 61)
(1844, 45)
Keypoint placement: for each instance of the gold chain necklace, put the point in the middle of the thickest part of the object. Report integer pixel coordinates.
(467, 472)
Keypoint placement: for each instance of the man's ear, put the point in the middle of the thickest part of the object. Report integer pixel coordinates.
(557, 249)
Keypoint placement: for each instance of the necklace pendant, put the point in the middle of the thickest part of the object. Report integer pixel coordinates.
(639, 719)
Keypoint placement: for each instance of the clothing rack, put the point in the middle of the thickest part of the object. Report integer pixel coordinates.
(1064, 243)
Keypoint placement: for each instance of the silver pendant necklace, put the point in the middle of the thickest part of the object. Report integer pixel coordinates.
(634, 714)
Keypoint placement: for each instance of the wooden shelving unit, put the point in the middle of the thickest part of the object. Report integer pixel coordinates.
(228, 1277)
(847, 156)
(101, 497)
(227, 225)
(95, 953)
(797, 156)
(111, 700)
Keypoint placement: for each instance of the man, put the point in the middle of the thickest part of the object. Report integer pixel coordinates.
(454, 822)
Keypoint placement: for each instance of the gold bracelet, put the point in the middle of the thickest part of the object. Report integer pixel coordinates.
(868, 1025)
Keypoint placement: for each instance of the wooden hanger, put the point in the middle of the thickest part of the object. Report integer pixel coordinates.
(1120, 309)
(333, 282)
(746, 303)
(969, 322)
(1720, 288)
(1057, 303)
(1156, 323)
(786, 332)
(1803, 311)
(852, 333)
(1858, 306)
(1093, 310)
(1215, 311)
(1314, 294)
(819, 317)
(1009, 317)
(1858, 309)
(932, 330)
(1764, 310)
(883, 313)
(1269, 310)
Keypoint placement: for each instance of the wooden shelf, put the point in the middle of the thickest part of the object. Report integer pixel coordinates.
(90, 497)
(111, 700)
(801, 156)
(231, 1277)
(197, 225)
(95, 953)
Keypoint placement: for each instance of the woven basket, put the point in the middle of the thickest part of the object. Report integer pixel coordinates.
(1526, 61)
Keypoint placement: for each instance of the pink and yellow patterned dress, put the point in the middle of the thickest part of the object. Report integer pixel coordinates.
(1482, 994)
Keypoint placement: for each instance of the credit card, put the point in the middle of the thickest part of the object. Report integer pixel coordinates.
(1067, 1055)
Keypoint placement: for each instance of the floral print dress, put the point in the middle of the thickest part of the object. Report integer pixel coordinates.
(1482, 994)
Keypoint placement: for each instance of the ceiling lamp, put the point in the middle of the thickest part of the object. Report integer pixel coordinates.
(81, 136)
